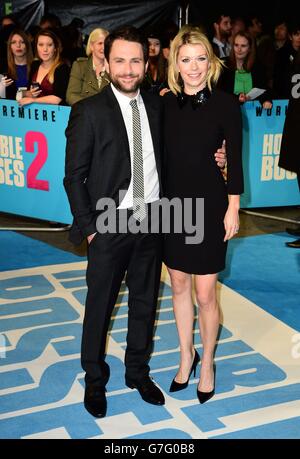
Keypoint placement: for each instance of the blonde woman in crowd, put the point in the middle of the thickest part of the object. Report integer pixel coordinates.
(88, 75)
(49, 76)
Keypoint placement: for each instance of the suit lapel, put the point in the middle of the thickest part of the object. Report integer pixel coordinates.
(119, 125)
(153, 118)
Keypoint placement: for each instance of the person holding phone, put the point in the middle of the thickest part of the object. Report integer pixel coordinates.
(19, 59)
(49, 72)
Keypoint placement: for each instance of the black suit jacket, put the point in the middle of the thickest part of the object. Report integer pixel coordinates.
(98, 157)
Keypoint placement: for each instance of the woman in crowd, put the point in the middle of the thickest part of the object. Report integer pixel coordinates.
(155, 78)
(243, 73)
(88, 75)
(49, 76)
(197, 118)
(19, 59)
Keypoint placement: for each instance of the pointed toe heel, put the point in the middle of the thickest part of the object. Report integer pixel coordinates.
(205, 396)
(176, 386)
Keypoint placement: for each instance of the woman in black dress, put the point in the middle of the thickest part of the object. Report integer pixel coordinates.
(197, 119)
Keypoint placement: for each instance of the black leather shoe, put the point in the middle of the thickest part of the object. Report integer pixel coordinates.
(148, 391)
(294, 244)
(95, 401)
(293, 231)
(176, 386)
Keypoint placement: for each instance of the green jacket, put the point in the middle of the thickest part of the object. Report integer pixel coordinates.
(83, 82)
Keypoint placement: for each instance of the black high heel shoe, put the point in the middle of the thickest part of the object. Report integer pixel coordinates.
(176, 386)
(205, 396)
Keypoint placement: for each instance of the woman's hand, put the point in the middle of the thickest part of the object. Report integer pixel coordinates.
(164, 91)
(231, 219)
(267, 104)
(7, 81)
(26, 101)
(243, 98)
(220, 155)
(34, 92)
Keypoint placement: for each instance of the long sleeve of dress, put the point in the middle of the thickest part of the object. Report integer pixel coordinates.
(232, 126)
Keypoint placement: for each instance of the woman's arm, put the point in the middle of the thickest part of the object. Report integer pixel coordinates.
(231, 219)
(260, 81)
(61, 77)
(54, 100)
(232, 125)
(61, 80)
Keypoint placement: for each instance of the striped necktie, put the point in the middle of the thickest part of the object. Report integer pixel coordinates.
(139, 208)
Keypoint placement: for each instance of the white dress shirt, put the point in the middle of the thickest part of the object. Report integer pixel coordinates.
(224, 48)
(151, 183)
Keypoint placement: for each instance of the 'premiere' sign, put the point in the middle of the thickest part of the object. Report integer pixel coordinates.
(32, 158)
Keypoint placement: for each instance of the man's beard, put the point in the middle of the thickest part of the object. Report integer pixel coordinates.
(127, 89)
(225, 34)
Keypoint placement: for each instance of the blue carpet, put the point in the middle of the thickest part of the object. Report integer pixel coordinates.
(41, 379)
(18, 251)
(261, 268)
(264, 270)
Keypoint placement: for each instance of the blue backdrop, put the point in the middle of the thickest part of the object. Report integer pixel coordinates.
(266, 184)
(32, 155)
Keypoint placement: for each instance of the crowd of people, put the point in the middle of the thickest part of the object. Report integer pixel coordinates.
(73, 69)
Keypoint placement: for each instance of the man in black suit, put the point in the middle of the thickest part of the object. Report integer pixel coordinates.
(98, 165)
(101, 146)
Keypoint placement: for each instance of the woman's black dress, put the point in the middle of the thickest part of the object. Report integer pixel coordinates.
(192, 136)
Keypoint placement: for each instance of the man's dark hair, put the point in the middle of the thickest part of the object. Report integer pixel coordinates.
(14, 20)
(250, 17)
(127, 33)
(53, 20)
(293, 27)
(219, 16)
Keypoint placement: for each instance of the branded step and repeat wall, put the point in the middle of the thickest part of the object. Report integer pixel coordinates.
(32, 155)
(266, 185)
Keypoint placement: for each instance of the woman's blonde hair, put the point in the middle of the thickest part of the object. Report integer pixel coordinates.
(94, 36)
(192, 36)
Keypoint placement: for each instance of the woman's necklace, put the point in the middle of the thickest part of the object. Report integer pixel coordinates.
(99, 74)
